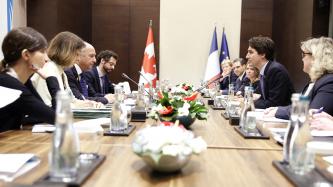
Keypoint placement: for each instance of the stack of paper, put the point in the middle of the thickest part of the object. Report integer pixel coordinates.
(14, 165)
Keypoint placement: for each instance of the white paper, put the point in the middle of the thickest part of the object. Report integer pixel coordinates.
(11, 163)
(328, 159)
(321, 133)
(91, 125)
(8, 96)
(260, 116)
(43, 128)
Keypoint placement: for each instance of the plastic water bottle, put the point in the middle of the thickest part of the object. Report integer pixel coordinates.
(291, 126)
(301, 161)
(64, 153)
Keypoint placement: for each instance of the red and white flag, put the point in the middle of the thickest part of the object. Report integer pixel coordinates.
(148, 68)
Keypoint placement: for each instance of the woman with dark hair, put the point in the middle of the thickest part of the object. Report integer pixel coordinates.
(24, 51)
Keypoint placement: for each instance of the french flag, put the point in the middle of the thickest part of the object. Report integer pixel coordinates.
(213, 69)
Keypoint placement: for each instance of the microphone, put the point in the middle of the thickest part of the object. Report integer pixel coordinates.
(141, 74)
(128, 78)
(208, 83)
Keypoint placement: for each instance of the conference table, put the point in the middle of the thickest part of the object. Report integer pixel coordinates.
(230, 160)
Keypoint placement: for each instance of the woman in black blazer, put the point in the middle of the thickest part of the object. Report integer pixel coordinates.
(24, 51)
(317, 57)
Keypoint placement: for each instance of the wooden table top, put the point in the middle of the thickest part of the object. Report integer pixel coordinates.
(230, 160)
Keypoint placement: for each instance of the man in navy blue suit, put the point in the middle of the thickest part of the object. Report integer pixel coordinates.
(76, 79)
(275, 83)
(239, 66)
(97, 78)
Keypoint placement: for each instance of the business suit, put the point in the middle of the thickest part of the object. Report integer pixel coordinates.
(230, 79)
(93, 80)
(74, 84)
(241, 83)
(11, 116)
(319, 96)
(277, 86)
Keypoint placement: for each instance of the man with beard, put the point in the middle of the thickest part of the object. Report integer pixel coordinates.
(97, 78)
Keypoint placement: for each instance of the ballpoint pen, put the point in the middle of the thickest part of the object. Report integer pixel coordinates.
(318, 111)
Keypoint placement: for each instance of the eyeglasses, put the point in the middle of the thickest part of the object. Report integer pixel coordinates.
(305, 53)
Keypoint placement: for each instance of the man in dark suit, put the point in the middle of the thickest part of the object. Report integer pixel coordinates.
(97, 78)
(239, 66)
(77, 81)
(275, 83)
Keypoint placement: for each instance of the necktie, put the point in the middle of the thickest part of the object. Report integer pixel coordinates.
(103, 85)
(84, 87)
(262, 86)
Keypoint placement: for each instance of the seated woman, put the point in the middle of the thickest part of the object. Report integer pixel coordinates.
(24, 50)
(253, 74)
(227, 76)
(317, 57)
(63, 51)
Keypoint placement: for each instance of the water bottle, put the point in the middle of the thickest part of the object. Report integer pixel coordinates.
(65, 145)
(140, 99)
(119, 111)
(231, 95)
(301, 161)
(248, 106)
(291, 126)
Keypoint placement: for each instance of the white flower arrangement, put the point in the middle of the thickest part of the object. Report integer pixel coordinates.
(157, 141)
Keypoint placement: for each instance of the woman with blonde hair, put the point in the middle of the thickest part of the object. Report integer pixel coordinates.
(227, 76)
(252, 73)
(63, 51)
(317, 57)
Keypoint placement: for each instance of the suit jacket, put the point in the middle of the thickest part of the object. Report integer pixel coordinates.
(93, 81)
(319, 96)
(11, 116)
(240, 84)
(74, 84)
(277, 86)
(224, 84)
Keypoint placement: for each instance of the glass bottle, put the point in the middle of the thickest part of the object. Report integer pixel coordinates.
(231, 95)
(291, 126)
(300, 161)
(65, 145)
(140, 99)
(248, 106)
(119, 112)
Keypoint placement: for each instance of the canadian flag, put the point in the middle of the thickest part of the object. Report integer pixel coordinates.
(148, 69)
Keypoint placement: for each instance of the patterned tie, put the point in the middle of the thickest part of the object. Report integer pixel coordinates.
(103, 85)
(262, 85)
(84, 87)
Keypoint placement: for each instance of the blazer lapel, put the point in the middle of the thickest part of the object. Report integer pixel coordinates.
(96, 76)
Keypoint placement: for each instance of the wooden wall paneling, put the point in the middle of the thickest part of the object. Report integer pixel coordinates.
(291, 25)
(43, 16)
(75, 16)
(141, 12)
(321, 16)
(110, 30)
(256, 20)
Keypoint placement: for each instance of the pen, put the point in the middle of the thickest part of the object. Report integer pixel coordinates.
(318, 111)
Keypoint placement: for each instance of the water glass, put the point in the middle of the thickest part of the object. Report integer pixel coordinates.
(250, 123)
(233, 108)
(218, 101)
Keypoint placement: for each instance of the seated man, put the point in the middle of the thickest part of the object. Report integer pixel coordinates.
(97, 78)
(77, 81)
(239, 65)
(275, 83)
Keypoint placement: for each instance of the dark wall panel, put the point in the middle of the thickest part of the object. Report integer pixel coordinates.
(122, 26)
(256, 19)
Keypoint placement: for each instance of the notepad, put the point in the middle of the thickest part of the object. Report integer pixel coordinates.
(14, 165)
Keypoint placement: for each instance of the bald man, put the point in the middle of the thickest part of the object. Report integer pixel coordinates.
(77, 82)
